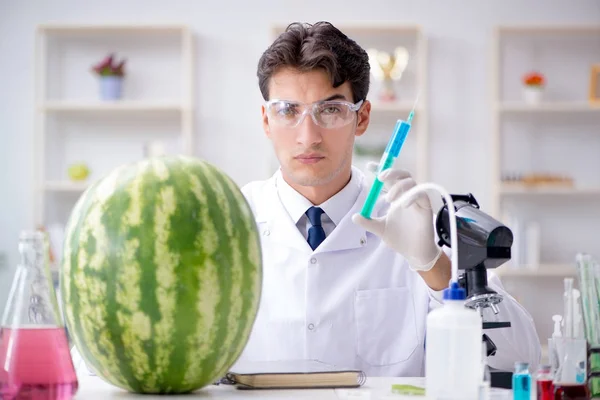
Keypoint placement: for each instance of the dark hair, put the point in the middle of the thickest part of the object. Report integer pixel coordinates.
(306, 47)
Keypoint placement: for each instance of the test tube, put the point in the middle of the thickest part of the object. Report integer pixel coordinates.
(568, 305)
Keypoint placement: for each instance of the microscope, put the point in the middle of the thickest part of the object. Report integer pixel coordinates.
(483, 243)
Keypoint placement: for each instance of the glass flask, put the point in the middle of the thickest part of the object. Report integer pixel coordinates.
(35, 361)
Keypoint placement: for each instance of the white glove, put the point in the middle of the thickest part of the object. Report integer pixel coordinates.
(407, 229)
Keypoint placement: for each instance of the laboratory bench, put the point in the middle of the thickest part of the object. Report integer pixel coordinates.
(94, 388)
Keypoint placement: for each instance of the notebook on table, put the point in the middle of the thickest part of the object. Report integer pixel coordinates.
(293, 374)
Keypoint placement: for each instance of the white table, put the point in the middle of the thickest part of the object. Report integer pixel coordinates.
(93, 388)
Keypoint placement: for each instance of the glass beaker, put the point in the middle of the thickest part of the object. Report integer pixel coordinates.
(572, 361)
(571, 391)
(570, 380)
(35, 361)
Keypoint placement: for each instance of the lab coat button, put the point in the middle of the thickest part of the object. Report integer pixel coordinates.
(313, 260)
(311, 326)
(267, 232)
(362, 241)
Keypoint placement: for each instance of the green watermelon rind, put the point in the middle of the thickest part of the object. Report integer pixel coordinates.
(181, 321)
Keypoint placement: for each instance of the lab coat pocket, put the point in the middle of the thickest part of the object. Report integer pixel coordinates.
(386, 331)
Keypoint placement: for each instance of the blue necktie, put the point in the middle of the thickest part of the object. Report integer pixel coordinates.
(316, 234)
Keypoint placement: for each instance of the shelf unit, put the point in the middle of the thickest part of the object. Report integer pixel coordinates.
(413, 84)
(550, 107)
(65, 186)
(566, 105)
(72, 122)
(557, 136)
(540, 271)
(503, 108)
(506, 190)
(121, 106)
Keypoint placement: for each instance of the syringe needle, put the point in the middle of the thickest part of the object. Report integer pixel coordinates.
(412, 111)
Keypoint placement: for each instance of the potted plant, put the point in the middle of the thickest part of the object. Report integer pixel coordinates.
(111, 76)
(534, 84)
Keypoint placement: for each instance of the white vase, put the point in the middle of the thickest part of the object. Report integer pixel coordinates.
(111, 87)
(533, 94)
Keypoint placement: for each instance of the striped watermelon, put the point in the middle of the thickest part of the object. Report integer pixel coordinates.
(161, 275)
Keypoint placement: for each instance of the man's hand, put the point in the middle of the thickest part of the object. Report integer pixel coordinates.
(408, 229)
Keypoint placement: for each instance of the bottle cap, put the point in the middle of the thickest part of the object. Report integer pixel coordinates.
(545, 368)
(557, 319)
(521, 367)
(454, 292)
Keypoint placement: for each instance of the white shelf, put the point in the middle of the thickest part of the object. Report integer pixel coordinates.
(366, 27)
(557, 136)
(402, 107)
(65, 186)
(516, 189)
(548, 107)
(543, 270)
(74, 125)
(568, 108)
(548, 29)
(110, 106)
(121, 29)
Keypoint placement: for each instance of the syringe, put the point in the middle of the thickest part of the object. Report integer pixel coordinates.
(387, 160)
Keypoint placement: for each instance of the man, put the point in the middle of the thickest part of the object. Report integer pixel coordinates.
(337, 287)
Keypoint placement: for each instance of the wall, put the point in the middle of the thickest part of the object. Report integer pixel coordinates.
(229, 41)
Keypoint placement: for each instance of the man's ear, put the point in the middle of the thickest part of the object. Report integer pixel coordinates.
(265, 122)
(363, 117)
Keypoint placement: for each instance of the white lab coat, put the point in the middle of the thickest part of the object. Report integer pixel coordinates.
(353, 301)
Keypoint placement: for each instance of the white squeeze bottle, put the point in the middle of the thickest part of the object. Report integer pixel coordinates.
(453, 366)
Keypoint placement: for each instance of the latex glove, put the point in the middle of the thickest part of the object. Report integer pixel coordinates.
(407, 229)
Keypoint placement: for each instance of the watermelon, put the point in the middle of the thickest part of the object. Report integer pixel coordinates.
(161, 275)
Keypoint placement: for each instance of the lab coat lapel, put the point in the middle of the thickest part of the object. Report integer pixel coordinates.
(276, 224)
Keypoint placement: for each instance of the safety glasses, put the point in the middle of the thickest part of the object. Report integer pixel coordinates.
(329, 114)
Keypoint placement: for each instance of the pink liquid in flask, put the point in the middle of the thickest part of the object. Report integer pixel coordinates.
(39, 364)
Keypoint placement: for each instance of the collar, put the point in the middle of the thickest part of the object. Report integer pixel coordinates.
(336, 207)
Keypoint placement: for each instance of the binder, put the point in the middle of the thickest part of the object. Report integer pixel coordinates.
(293, 374)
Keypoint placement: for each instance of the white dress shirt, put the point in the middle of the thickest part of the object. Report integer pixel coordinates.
(335, 208)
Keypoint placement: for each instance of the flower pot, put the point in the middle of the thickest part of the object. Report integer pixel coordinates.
(111, 87)
(533, 94)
